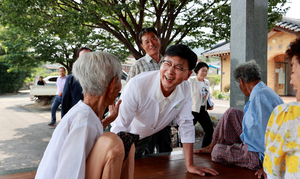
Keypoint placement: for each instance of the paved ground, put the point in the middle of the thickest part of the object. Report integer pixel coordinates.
(24, 133)
(220, 106)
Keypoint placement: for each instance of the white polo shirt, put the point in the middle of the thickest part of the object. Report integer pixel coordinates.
(139, 112)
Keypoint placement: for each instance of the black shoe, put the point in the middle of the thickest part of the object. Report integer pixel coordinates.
(51, 124)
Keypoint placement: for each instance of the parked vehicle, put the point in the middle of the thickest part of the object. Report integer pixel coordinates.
(123, 80)
(51, 80)
(47, 92)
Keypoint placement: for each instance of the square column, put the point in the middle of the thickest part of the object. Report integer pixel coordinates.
(249, 30)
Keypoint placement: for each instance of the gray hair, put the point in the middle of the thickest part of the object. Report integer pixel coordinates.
(248, 72)
(95, 70)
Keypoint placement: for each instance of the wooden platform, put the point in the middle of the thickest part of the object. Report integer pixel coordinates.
(171, 167)
(27, 175)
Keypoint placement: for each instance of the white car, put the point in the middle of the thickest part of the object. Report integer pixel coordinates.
(51, 80)
(123, 79)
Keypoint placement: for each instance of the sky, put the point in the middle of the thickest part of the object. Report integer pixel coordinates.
(293, 12)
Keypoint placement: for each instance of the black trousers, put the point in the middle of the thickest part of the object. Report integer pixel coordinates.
(205, 121)
(161, 140)
(141, 146)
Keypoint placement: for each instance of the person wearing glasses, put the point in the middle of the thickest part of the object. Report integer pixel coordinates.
(151, 100)
(150, 42)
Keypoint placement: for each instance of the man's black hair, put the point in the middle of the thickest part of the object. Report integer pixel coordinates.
(147, 30)
(184, 52)
(82, 48)
(62, 68)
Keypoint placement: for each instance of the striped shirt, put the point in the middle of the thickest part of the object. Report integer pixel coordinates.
(146, 63)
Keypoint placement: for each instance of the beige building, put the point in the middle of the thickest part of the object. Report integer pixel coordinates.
(278, 69)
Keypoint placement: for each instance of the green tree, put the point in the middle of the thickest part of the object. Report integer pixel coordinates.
(11, 78)
(17, 52)
(30, 49)
(174, 20)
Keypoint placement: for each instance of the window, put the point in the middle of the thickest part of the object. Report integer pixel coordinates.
(270, 48)
(124, 76)
(54, 79)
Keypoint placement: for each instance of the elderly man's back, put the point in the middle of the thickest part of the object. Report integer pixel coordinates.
(246, 128)
(257, 112)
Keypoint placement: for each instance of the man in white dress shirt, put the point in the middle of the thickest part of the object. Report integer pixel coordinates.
(151, 100)
(150, 42)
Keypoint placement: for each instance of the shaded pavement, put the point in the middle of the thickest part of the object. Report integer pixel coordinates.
(24, 134)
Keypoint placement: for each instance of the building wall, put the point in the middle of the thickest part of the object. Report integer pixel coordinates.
(277, 45)
(127, 64)
(212, 71)
(225, 79)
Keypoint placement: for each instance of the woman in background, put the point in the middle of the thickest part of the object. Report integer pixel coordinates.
(200, 95)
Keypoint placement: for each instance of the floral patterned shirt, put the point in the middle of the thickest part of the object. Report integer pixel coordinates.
(283, 142)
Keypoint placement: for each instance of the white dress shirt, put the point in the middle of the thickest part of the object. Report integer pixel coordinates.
(139, 112)
(60, 83)
(70, 145)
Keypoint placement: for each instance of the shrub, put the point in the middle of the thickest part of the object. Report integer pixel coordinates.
(11, 80)
(227, 97)
(220, 96)
(214, 93)
(227, 88)
(214, 79)
(213, 118)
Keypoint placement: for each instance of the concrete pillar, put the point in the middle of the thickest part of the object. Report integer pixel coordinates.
(249, 29)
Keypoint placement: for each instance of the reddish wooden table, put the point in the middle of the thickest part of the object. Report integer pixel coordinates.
(171, 167)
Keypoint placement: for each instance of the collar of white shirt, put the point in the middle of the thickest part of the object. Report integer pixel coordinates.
(154, 85)
(165, 100)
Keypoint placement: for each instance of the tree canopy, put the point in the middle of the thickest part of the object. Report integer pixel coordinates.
(121, 20)
(29, 50)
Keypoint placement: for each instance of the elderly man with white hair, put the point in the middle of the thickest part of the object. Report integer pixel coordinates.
(78, 147)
